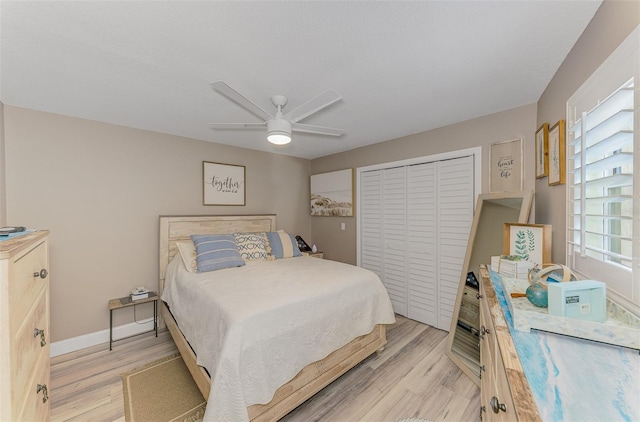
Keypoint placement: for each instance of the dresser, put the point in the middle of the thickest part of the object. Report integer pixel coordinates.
(502, 380)
(24, 327)
(536, 375)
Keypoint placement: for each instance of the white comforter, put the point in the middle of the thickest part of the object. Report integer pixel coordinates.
(255, 327)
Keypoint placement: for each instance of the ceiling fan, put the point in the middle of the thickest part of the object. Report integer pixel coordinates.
(279, 126)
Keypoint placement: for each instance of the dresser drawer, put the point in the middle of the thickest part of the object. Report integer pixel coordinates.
(502, 392)
(31, 407)
(26, 348)
(25, 287)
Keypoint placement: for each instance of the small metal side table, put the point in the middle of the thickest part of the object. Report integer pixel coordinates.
(125, 302)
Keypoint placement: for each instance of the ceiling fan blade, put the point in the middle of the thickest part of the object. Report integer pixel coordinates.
(314, 105)
(233, 126)
(240, 99)
(319, 130)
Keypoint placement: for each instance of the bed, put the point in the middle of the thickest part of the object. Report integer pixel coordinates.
(312, 377)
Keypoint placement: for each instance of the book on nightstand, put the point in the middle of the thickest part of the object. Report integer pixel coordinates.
(139, 296)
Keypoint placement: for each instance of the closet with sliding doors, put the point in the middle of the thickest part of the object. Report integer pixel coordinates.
(414, 223)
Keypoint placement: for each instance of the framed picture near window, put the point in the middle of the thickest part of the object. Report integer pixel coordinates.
(542, 151)
(530, 242)
(223, 184)
(557, 154)
(505, 171)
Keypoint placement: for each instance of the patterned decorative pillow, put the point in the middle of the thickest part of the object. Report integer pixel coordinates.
(252, 246)
(283, 245)
(215, 252)
(187, 251)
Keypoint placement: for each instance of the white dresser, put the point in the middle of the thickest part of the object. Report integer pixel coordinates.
(24, 328)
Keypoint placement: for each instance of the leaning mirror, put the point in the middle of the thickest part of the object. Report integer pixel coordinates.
(485, 240)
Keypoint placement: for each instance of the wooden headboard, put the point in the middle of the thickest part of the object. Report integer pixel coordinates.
(176, 228)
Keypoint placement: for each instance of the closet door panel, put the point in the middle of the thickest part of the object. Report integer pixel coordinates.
(371, 221)
(454, 216)
(421, 244)
(394, 237)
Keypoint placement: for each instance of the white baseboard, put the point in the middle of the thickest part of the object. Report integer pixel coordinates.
(87, 340)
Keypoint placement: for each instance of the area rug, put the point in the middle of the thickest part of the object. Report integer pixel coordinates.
(162, 391)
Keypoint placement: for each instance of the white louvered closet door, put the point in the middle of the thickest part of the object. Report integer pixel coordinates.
(454, 215)
(394, 237)
(371, 221)
(415, 223)
(422, 236)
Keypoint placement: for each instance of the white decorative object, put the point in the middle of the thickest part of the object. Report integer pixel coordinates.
(314, 249)
(510, 268)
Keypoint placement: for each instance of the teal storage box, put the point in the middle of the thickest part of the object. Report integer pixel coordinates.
(582, 299)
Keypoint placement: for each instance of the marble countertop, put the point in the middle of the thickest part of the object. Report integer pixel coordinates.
(574, 379)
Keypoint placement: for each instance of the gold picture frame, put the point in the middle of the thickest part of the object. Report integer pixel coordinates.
(557, 154)
(542, 151)
(530, 242)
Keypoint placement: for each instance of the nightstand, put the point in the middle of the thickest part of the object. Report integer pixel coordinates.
(125, 302)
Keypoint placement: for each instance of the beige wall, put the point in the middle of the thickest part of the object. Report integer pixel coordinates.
(483, 131)
(100, 188)
(613, 22)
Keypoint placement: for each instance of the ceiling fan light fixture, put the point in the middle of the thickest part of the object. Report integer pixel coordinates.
(278, 131)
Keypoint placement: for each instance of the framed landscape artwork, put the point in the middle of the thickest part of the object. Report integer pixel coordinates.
(332, 194)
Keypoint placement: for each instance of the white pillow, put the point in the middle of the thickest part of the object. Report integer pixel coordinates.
(188, 253)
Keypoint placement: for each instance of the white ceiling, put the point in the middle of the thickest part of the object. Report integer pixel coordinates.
(401, 67)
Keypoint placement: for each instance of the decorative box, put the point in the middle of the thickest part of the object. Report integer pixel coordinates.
(508, 268)
(582, 299)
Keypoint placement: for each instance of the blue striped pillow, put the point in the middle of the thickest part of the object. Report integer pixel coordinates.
(215, 252)
(283, 245)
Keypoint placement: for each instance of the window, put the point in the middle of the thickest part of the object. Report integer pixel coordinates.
(603, 180)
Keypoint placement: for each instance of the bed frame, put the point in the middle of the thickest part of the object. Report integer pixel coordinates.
(313, 377)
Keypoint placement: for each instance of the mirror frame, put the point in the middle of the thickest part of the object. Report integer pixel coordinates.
(525, 209)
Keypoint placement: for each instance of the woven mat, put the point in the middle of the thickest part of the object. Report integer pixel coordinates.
(162, 391)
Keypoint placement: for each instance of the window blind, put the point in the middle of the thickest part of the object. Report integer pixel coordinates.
(603, 179)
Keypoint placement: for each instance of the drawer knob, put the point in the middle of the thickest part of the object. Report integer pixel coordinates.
(45, 394)
(38, 332)
(42, 274)
(496, 406)
(483, 331)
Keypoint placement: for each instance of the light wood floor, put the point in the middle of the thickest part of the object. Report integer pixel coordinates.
(412, 377)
